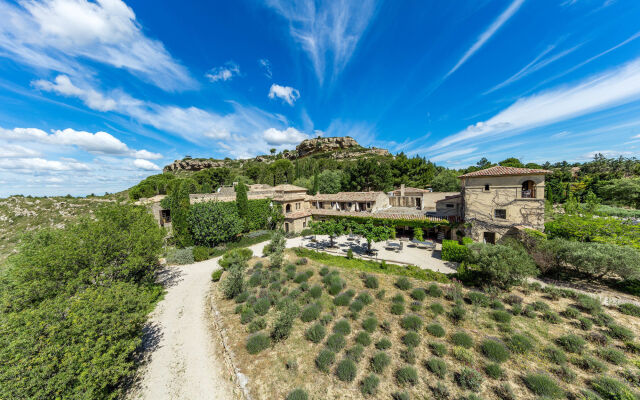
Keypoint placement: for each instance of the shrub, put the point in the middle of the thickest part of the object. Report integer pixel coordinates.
(284, 322)
(400, 396)
(437, 366)
(335, 287)
(588, 304)
(336, 342)
(620, 332)
(181, 256)
(494, 350)
(589, 364)
(629, 309)
(478, 299)
(342, 327)
(614, 356)
(369, 385)
(383, 344)
(418, 294)
(434, 290)
(324, 271)
(501, 316)
(411, 323)
(247, 315)
(261, 307)
(342, 300)
(411, 339)
(371, 282)
(380, 294)
(500, 265)
(356, 306)
(386, 327)
(436, 330)
(315, 291)
(257, 325)
(633, 347)
(369, 324)
(315, 333)
(301, 277)
(457, 313)
(346, 370)
(529, 311)
(551, 317)
(379, 362)
(602, 319)
(454, 251)
(611, 389)
(571, 343)
(542, 385)
(415, 306)
(257, 342)
(233, 283)
(365, 298)
(436, 308)
(494, 371)
(462, 354)
(403, 283)
(497, 305)
(565, 374)
(406, 375)
(516, 309)
(462, 339)
(397, 309)
(408, 355)
(571, 312)
(469, 379)
(438, 349)
(297, 394)
(504, 392)
(216, 275)
(363, 338)
(585, 323)
(325, 359)
(520, 344)
(302, 261)
(233, 257)
(355, 352)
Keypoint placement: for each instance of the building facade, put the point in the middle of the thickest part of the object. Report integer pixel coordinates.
(499, 200)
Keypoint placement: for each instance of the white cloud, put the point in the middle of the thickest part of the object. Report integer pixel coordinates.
(608, 154)
(52, 34)
(62, 85)
(286, 93)
(636, 137)
(535, 65)
(487, 34)
(290, 135)
(16, 151)
(41, 164)
(266, 65)
(145, 165)
(99, 142)
(614, 87)
(225, 73)
(327, 31)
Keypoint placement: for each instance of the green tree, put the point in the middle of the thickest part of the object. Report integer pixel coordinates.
(483, 163)
(417, 234)
(328, 181)
(331, 227)
(177, 201)
(502, 266)
(591, 202)
(213, 223)
(571, 205)
(511, 162)
(624, 191)
(316, 184)
(371, 232)
(446, 181)
(242, 201)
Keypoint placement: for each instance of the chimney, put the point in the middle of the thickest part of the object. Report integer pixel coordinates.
(402, 190)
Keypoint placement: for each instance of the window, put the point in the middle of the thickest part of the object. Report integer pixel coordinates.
(297, 206)
(500, 213)
(449, 205)
(304, 224)
(487, 188)
(489, 237)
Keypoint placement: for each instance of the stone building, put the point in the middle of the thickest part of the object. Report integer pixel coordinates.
(351, 201)
(420, 199)
(497, 201)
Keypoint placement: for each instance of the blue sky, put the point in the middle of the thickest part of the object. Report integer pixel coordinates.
(97, 95)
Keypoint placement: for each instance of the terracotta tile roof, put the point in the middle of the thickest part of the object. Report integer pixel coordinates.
(500, 171)
(289, 188)
(348, 196)
(378, 215)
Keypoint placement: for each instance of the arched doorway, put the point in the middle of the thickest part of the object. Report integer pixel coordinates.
(287, 208)
(528, 190)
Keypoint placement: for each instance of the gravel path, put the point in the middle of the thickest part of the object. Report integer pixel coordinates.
(184, 357)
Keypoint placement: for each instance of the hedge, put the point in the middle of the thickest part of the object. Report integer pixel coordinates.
(454, 251)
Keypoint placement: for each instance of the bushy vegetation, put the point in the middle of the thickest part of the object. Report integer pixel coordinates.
(542, 385)
(494, 350)
(454, 251)
(76, 299)
(500, 265)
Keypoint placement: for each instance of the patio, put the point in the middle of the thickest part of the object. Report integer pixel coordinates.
(425, 255)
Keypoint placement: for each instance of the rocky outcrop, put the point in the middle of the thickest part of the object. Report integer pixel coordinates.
(190, 164)
(340, 148)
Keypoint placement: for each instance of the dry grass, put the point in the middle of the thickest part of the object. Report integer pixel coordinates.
(269, 377)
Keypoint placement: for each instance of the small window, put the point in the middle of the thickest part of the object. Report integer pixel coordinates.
(487, 188)
(449, 205)
(304, 224)
(500, 213)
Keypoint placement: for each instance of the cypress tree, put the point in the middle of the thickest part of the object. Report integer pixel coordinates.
(242, 202)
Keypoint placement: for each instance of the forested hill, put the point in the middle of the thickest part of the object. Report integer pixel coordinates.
(330, 168)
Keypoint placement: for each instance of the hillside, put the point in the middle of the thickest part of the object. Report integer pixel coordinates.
(337, 148)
